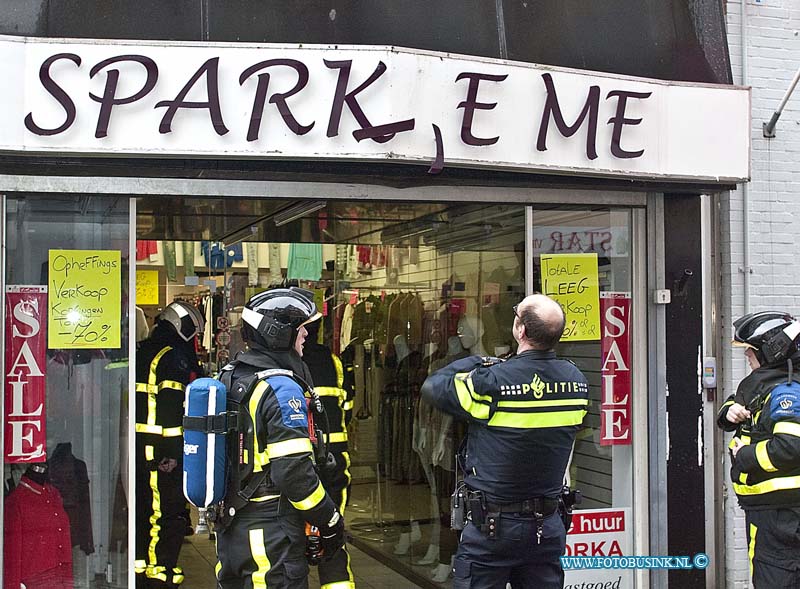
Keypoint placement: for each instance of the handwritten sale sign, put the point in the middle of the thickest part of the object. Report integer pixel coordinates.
(571, 279)
(84, 307)
(147, 287)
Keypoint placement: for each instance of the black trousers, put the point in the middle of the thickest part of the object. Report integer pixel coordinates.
(337, 483)
(513, 556)
(263, 549)
(160, 528)
(773, 541)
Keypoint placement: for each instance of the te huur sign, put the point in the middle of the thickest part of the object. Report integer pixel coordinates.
(363, 103)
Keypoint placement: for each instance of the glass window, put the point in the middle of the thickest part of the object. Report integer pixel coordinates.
(66, 524)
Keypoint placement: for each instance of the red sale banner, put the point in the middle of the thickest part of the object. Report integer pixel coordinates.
(26, 363)
(615, 353)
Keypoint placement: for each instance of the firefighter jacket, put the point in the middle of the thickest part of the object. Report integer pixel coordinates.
(333, 382)
(282, 448)
(165, 364)
(766, 471)
(523, 417)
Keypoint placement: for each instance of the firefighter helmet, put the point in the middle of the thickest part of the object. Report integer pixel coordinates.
(184, 318)
(771, 335)
(272, 318)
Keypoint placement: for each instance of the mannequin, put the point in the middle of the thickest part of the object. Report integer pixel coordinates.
(401, 348)
(470, 330)
(37, 548)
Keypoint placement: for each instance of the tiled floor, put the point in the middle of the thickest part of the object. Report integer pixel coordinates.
(198, 559)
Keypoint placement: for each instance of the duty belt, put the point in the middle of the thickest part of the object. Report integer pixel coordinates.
(540, 505)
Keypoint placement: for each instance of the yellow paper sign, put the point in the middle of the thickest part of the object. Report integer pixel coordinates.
(571, 279)
(84, 302)
(147, 287)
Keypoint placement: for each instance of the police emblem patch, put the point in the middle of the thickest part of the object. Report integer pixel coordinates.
(786, 403)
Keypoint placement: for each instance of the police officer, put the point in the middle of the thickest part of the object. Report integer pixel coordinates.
(523, 415)
(264, 543)
(165, 363)
(765, 463)
(334, 383)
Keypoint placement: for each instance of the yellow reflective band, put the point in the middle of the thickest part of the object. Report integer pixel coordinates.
(565, 403)
(346, 456)
(347, 406)
(288, 447)
(742, 478)
(339, 372)
(745, 440)
(330, 392)
(172, 432)
(470, 402)
(146, 388)
(154, 519)
(245, 456)
(171, 384)
(151, 378)
(727, 404)
(762, 456)
(148, 453)
(312, 500)
(151, 409)
(751, 549)
(776, 484)
(537, 420)
(264, 498)
(335, 438)
(217, 568)
(260, 458)
(259, 554)
(339, 585)
(787, 427)
(139, 566)
(143, 428)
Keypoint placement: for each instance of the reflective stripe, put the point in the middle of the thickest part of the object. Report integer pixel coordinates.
(339, 372)
(470, 402)
(340, 584)
(287, 447)
(776, 484)
(727, 404)
(330, 392)
(217, 567)
(177, 576)
(335, 437)
(259, 554)
(565, 403)
(347, 406)
(751, 549)
(155, 388)
(139, 566)
(168, 432)
(762, 456)
(260, 457)
(154, 519)
(346, 456)
(312, 500)
(264, 498)
(787, 427)
(537, 420)
(149, 454)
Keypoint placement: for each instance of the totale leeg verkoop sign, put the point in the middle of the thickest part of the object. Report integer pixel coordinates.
(363, 103)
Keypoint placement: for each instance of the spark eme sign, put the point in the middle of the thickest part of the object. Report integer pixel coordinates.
(362, 103)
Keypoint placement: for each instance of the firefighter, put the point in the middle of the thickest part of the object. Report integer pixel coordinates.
(264, 543)
(523, 415)
(765, 452)
(334, 384)
(165, 363)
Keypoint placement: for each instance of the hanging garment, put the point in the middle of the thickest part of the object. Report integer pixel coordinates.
(305, 261)
(69, 475)
(252, 264)
(170, 261)
(145, 248)
(188, 258)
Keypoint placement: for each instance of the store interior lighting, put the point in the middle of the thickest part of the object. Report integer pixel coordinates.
(297, 211)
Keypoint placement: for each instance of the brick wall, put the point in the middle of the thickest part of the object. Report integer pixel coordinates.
(773, 56)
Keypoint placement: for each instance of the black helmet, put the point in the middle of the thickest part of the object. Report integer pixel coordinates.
(271, 318)
(771, 334)
(185, 319)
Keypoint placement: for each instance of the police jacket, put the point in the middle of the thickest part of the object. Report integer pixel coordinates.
(282, 447)
(523, 416)
(333, 382)
(165, 364)
(766, 471)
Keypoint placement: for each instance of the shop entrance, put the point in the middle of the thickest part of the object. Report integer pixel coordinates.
(403, 288)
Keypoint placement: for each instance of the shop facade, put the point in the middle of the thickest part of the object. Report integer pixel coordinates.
(422, 195)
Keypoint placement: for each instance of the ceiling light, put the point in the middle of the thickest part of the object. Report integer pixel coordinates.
(296, 211)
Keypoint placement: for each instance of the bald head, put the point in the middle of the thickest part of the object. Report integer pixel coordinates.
(543, 320)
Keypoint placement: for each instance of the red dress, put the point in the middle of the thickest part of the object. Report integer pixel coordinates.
(37, 547)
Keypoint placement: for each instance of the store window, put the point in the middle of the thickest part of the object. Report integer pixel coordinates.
(66, 383)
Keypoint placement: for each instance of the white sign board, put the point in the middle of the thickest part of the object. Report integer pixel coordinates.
(600, 532)
(362, 103)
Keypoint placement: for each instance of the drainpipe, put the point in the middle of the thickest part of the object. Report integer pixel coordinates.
(745, 192)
